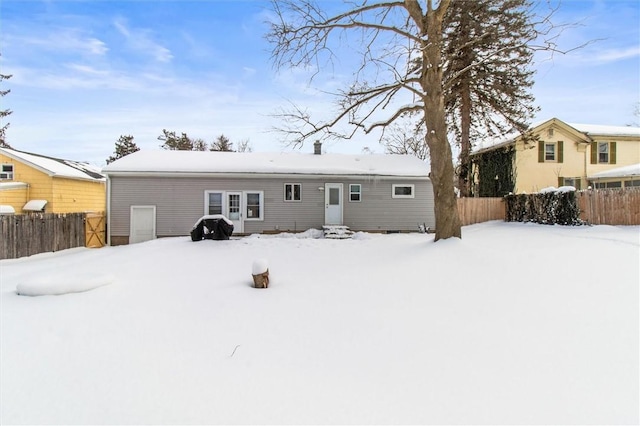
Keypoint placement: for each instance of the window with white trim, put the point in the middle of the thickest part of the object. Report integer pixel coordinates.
(603, 152)
(254, 202)
(6, 171)
(214, 202)
(403, 191)
(549, 151)
(293, 192)
(355, 192)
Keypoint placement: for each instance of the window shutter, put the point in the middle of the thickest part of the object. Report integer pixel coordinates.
(612, 153)
(560, 147)
(594, 152)
(560, 181)
(540, 152)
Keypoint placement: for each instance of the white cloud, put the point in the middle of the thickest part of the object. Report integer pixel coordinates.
(140, 40)
(65, 39)
(614, 55)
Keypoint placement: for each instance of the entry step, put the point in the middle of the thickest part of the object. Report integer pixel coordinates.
(337, 232)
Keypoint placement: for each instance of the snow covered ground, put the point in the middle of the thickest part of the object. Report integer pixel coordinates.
(515, 323)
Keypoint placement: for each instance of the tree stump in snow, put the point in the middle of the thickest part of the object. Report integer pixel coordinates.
(260, 272)
(261, 280)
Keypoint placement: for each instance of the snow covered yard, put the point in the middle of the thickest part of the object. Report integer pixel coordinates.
(515, 323)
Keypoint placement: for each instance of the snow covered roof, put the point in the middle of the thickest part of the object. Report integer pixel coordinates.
(35, 205)
(56, 167)
(599, 130)
(171, 162)
(589, 130)
(632, 170)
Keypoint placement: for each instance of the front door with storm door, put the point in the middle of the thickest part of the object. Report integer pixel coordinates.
(333, 204)
(234, 211)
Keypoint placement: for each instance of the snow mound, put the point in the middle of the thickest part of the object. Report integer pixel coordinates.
(308, 234)
(55, 286)
(554, 189)
(260, 266)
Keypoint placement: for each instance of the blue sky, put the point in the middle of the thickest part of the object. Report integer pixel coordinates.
(86, 72)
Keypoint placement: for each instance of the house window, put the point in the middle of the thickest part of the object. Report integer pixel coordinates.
(293, 192)
(355, 192)
(606, 185)
(214, 203)
(255, 205)
(549, 152)
(628, 183)
(403, 191)
(569, 181)
(6, 172)
(603, 152)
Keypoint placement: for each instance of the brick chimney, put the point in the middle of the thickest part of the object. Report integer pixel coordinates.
(317, 147)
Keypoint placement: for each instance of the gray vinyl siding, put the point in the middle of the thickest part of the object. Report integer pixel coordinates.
(179, 203)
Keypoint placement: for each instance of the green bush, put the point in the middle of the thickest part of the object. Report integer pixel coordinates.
(551, 207)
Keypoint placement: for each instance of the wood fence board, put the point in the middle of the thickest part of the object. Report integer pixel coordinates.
(477, 210)
(29, 234)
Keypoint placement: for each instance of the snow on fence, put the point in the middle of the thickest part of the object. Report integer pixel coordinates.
(29, 234)
(610, 206)
(477, 210)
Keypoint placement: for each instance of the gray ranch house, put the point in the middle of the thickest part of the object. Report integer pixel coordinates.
(152, 194)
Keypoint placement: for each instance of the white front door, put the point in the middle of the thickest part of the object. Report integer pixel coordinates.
(333, 204)
(234, 210)
(142, 225)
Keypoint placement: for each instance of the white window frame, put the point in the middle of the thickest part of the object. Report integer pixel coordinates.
(206, 201)
(352, 192)
(293, 192)
(245, 212)
(404, 185)
(6, 175)
(607, 153)
(555, 152)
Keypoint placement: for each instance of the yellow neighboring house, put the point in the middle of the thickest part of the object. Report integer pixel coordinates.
(555, 153)
(32, 182)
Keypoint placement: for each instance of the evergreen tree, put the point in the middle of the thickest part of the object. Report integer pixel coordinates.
(199, 145)
(175, 143)
(222, 143)
(4, 114)
(124, 146)
(488, 75)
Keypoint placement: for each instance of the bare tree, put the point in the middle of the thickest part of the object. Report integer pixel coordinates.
(245, 146)
(395, 36)
(406, 139)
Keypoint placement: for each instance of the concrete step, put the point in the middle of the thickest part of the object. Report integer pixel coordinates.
(337, 232)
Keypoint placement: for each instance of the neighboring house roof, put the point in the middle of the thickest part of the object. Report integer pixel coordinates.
(213, 162)
(630, 171)
(56, 167)
(587, 130)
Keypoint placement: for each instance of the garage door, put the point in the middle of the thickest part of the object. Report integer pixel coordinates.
(143, 224)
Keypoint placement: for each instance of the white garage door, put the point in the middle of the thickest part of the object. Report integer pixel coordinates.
(143, 224)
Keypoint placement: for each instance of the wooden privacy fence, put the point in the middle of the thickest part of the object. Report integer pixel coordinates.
(477, 210)
(29, 234)
(610, 206)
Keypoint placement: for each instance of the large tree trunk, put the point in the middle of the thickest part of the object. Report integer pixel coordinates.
(442, 173)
